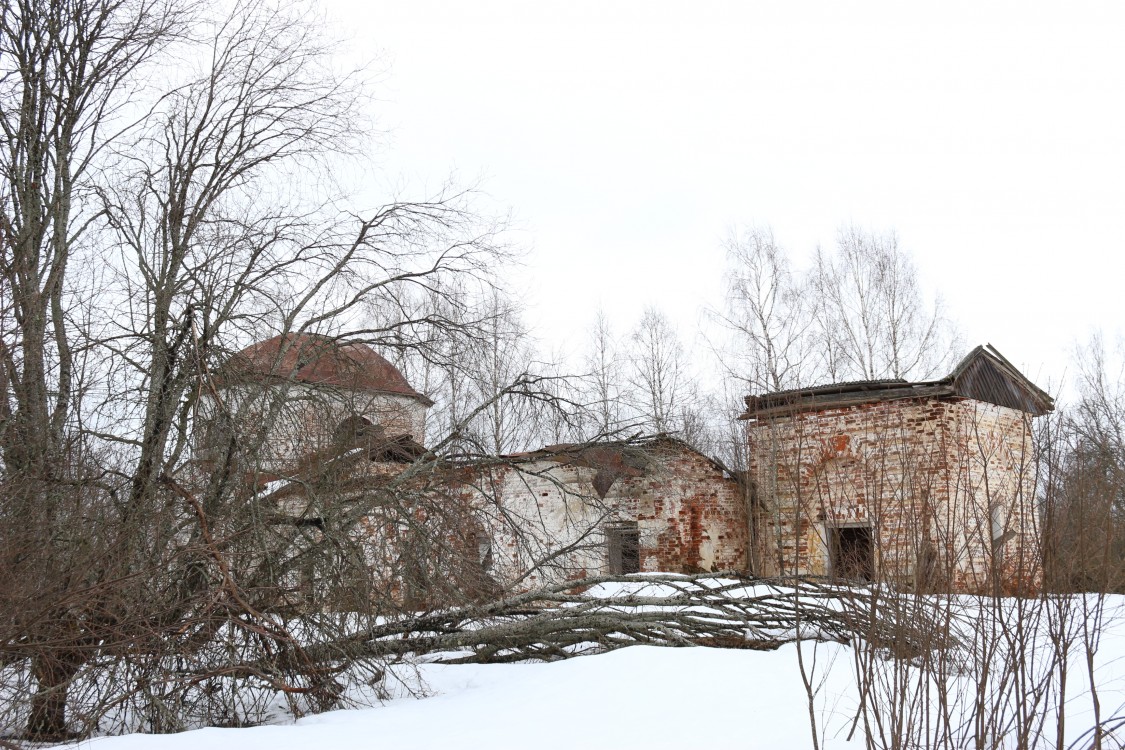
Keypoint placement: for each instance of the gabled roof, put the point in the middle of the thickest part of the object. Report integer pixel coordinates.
(984, 375)
(628, 455)
(613, 459)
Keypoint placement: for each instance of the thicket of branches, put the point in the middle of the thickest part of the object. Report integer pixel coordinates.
(167, 199)
(1083, 454)
(859, 313)
(149, 232)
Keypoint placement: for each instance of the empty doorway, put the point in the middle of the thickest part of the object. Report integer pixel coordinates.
(623, 542)
(851, 552)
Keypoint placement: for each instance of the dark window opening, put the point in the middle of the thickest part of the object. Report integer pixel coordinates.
(851, 551)
(484, 551)
(354, 429)
(623, 542)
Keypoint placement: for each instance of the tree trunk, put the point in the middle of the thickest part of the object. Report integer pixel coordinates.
(53, 672)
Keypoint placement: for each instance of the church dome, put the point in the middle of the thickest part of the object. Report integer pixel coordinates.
(323, 360)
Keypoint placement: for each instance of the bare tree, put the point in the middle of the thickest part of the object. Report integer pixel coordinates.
(604, 378)
(66, 67)
(658, 377)
(859, 313)
(871, 319)
(767, 337)
(1084, 499)
(492, 350)
(504, 354)
(768, 313)
(140, 550)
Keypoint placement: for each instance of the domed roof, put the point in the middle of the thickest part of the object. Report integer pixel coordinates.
(322, 360)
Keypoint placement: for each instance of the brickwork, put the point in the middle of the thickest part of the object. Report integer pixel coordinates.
(302, 420)
(459, 531)
(944, 486)
(517, 524)
(548, 522)
(691, 517)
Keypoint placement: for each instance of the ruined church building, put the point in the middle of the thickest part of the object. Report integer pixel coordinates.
(930, 485)
(927, 485)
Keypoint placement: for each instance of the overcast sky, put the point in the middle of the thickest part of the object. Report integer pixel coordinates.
(628, 137)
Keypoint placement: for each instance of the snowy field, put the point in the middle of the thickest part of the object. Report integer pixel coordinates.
(640, 696)
(682, 697)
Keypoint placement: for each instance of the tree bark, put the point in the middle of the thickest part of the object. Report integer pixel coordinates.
(53, 671)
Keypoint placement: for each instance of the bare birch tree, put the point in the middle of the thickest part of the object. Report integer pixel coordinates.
(604, 378)
(505, 354)
(658, 377)
(768, 312)
(858, 314)
(871, 319)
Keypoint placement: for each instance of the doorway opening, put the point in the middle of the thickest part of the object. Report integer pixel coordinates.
(851, 553)
(623, 542)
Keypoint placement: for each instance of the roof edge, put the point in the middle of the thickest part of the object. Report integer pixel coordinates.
(838, 395)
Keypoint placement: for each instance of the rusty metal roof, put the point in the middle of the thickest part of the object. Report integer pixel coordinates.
(984, 375)
(322, 360)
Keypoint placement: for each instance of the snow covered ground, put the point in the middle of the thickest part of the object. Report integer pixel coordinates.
(667, 698)
(635, 697)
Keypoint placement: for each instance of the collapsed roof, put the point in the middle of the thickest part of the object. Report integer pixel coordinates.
(984, 375)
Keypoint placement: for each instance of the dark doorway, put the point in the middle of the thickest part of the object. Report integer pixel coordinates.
(623, 542)
(851, 552)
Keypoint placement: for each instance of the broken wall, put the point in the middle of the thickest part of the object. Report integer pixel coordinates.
(549, 521)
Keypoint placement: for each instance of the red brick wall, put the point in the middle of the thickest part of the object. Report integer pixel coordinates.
(691, 517)
(546, 523)
(934, 479)
(689, 514)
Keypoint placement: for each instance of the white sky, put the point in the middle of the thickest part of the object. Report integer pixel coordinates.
(627, 137)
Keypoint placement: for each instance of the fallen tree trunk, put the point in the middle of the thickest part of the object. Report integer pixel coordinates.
(580, 617)
(231, 671)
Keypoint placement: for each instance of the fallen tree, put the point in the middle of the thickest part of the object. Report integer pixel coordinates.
(728, 610)
(238, 671)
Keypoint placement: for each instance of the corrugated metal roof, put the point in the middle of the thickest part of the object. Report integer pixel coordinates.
(985, 382)
(842, 387)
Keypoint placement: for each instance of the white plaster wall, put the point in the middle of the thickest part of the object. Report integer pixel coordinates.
(993, 483)
(297, 419)
(548, 524)
(545, 522)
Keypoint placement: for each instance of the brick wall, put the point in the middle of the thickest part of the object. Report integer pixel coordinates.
(935, 481)
(296, 420)
(481, 531)
(691, 517)
(548, 522)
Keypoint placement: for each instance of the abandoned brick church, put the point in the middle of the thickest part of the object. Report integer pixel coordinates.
(923, 484)
(930, 484)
